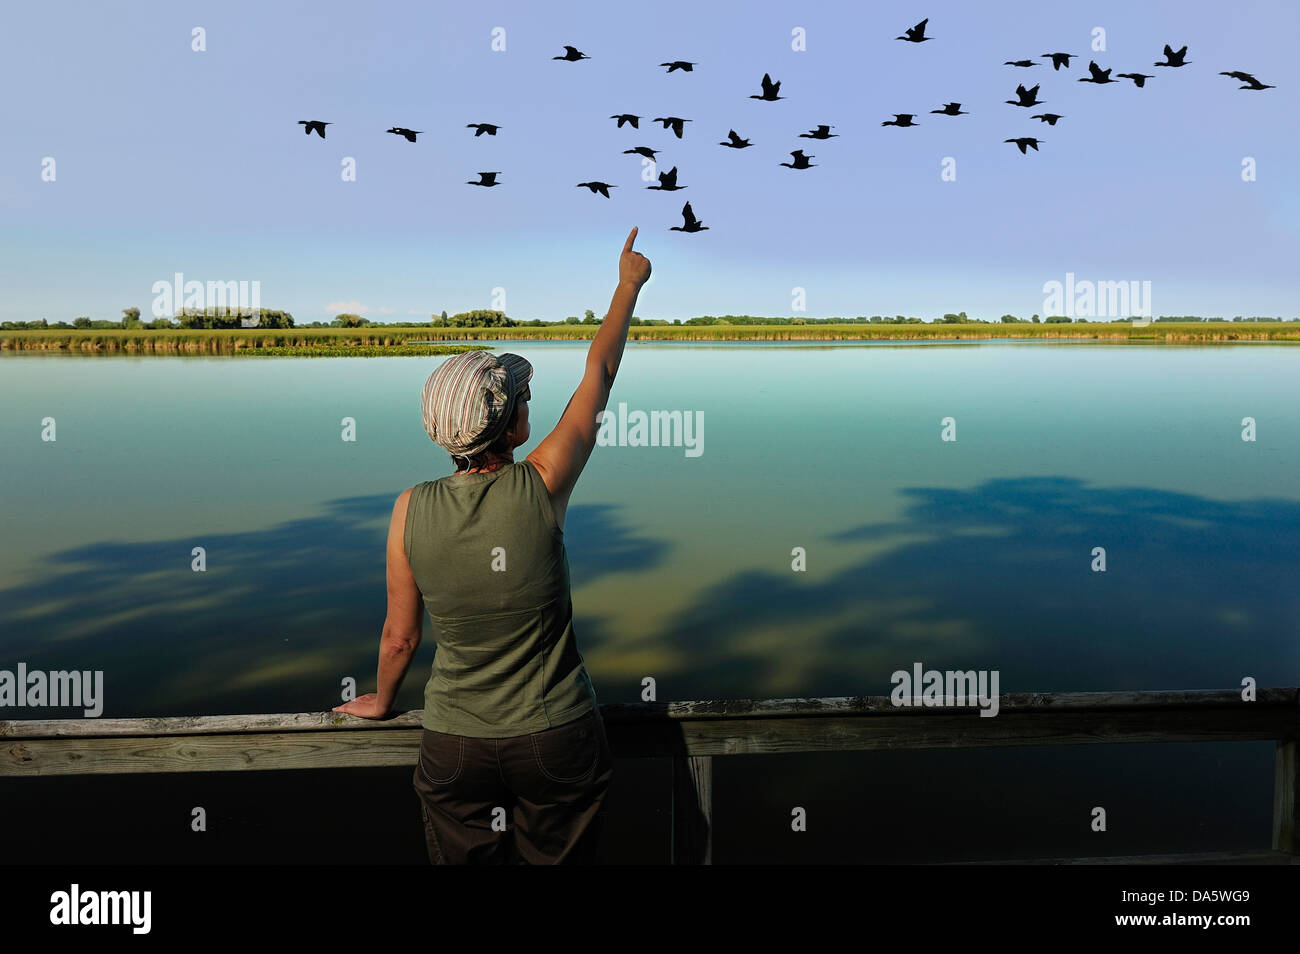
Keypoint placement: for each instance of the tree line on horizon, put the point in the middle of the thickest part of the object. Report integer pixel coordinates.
(217, 318)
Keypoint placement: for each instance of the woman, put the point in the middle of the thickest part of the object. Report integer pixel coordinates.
(514, 764)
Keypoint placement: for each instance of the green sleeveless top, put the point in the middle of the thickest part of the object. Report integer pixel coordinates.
(490, 562)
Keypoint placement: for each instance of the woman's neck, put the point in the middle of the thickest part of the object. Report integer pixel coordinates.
(490, 466)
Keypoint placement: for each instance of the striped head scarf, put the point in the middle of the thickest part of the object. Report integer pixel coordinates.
(468, 400)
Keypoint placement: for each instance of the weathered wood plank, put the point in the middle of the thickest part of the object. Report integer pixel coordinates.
(644, 738)
(202, 725)
(947, 730)
(209, 753)
(1286, 797)
(657, 712)
(1286, 697)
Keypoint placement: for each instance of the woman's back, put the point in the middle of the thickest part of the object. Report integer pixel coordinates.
(510, 716)
(490, 563)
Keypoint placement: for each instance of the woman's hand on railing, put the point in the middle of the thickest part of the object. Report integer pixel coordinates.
(367, 707)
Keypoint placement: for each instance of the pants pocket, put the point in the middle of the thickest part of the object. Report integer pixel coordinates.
(569, 752)
(441, 757)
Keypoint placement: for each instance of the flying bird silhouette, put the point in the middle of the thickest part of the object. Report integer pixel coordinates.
(734, 141)
(667, 181)
(770, 90)
(680, 65)
(642, 151)
(916, 34)
(410, 134)
(821, 132)
(1139, 79)
(1098, 75)
(1060, 59)
(601, 187)
(1019, 63)
(1173, 58)
(1049, 118)
(1024, 141)
(1025, 97)
(901, 119)
(485, 179)
(800, 161)
(626, 118)
(691, 223)
(481, 128)
(313, 126)
(1250, 81)
(572, 55)
(674, 122)
(951, 109)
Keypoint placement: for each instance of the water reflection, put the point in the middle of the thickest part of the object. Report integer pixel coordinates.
(1198, 593)
(279, 617)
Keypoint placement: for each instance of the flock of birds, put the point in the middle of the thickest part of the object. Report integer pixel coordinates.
(770, 92)
(1028, 97)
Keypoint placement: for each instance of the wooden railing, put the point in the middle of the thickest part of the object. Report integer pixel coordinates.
(691, 733)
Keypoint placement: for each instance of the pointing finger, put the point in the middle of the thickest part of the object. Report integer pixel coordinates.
(631, 237)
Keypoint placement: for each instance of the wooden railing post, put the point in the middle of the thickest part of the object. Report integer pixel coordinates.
(692, 810)
(1286, 796)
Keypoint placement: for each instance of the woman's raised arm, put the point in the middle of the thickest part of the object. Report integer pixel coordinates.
(560, 457)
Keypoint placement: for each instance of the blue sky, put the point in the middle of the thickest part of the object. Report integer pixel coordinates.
(170, 160)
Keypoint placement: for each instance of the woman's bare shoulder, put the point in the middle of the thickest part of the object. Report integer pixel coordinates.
(400, 505)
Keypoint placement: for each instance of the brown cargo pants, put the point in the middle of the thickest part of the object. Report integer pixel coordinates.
(528, 799)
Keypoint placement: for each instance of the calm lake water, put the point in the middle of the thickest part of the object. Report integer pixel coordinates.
(966, 554)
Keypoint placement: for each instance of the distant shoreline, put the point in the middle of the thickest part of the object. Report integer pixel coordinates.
(380, 341)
